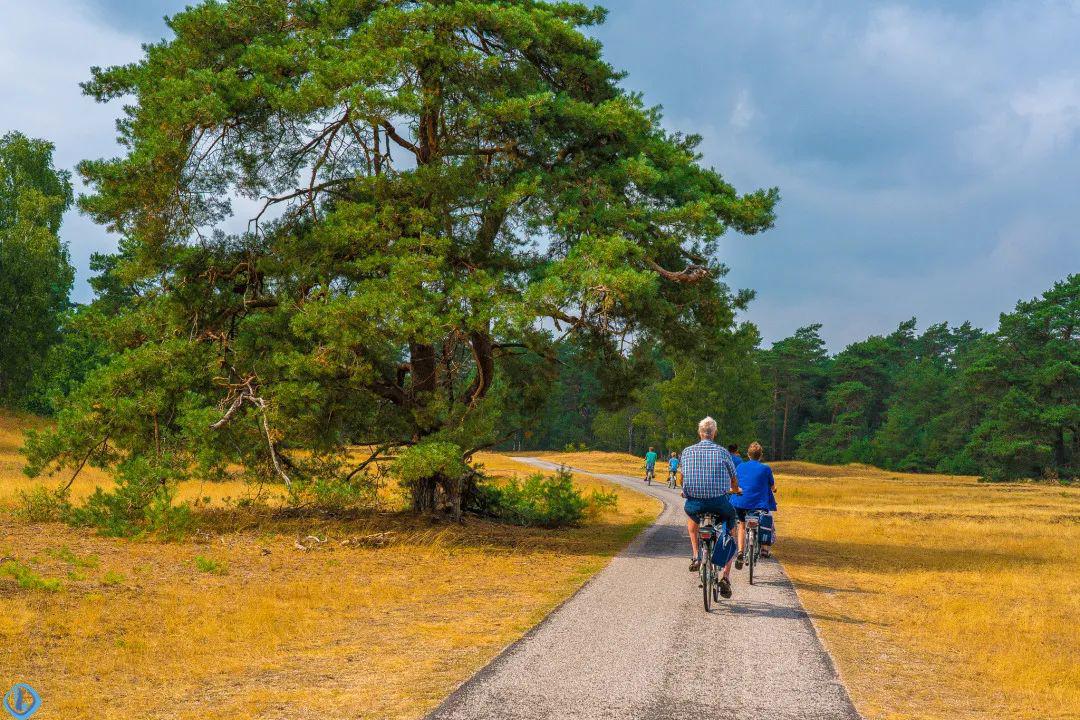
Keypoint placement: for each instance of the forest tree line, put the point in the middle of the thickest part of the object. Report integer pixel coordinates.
(1002, 405)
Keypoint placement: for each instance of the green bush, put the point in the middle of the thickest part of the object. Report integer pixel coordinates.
(601, 502)
(210, 565)
(141, 503)
(27, 578)
(40, 504)
(112, 578)
(68, 555)
(330, 494)
(538, 501)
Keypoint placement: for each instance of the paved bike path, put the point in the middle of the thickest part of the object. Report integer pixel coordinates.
(635, 642)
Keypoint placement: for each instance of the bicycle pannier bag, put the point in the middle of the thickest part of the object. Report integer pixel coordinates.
(724, 549)
(767, 530)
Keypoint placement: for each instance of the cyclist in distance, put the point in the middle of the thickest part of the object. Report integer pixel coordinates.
(673, 467)
(708, 476)
(758, 493)
(736, 458)
(650, 462)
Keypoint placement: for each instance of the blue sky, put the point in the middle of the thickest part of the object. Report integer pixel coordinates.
(928, 153)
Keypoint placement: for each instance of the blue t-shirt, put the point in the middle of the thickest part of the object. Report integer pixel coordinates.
(673, 463)
(650, 459)
(736, 459)
(755, 481)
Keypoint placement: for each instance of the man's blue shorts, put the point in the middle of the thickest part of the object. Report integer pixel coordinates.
(719, 506)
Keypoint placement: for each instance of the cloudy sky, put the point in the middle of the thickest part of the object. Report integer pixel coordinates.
(928, 153)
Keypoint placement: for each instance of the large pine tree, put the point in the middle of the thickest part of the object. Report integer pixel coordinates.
(435, 186)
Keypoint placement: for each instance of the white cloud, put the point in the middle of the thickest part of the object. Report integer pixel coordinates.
(743, 113)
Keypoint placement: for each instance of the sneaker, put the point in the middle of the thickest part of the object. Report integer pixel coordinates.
(695, 564)
(725, 587)
(739, 561)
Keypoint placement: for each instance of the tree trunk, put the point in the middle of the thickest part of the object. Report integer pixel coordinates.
(772, 418)
(424, 494)
(783, 436)
(423, 365)
(1059, 450)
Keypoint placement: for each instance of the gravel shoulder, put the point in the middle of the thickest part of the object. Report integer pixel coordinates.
(635, 642)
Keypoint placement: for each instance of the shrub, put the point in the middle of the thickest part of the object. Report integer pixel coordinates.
(112, 578)
(538, 501)
(601, 502)
(141, 503)
(68, 555)
(27, 578)
(210, 565)
(40, 504)
(331, 494)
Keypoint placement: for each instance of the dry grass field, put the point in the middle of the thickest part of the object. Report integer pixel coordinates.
(381, 619)
(938, 596)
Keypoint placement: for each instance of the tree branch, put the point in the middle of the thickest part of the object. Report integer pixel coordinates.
(690, 274)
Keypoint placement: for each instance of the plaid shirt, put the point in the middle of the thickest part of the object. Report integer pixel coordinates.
(707, 470)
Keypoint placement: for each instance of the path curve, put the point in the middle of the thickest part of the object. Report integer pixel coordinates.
(635, 642)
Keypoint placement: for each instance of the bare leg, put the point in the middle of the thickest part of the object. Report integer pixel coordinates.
(692, 528)
(740, 536)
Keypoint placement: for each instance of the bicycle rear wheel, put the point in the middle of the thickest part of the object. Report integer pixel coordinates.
(752, 553)
(706, 574)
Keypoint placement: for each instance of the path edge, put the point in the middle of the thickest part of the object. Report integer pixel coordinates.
(458, 693)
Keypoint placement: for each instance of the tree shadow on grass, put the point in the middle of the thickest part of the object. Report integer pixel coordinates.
(377, 530)
(750, 608)
(878, 558)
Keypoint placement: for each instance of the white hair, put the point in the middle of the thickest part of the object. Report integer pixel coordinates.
(707, 427)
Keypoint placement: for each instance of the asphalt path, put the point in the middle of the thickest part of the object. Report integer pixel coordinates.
(636, 642)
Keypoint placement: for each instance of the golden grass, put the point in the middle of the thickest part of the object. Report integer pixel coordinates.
(380, 620)
(937, 596)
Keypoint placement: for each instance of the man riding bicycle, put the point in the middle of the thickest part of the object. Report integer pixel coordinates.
(758, 488)
(650, 463)
(708, 476)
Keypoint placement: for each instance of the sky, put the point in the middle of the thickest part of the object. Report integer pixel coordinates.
(927, 153)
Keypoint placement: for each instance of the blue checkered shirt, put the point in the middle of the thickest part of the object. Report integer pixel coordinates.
(707, 470)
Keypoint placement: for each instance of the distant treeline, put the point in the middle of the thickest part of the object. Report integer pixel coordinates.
(1001, 405)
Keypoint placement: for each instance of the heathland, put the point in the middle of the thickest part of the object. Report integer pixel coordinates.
(936, 595)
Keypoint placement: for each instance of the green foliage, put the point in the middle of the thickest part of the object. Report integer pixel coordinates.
(329, 494)
(1026, 380)
(112, 578)
(40, 504)
(68, 555)
(210, 565)
(540, 501)
(35, 273)
(454, 192)
(27, 578)
(141, 503)
(1004, 405)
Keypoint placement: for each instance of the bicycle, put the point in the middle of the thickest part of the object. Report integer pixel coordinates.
(672, 477)
(752, 544)
(650, 475)
(709, 572)
(710, 583)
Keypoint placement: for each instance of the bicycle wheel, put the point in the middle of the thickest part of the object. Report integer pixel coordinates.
(752, 553)
(706, 574)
